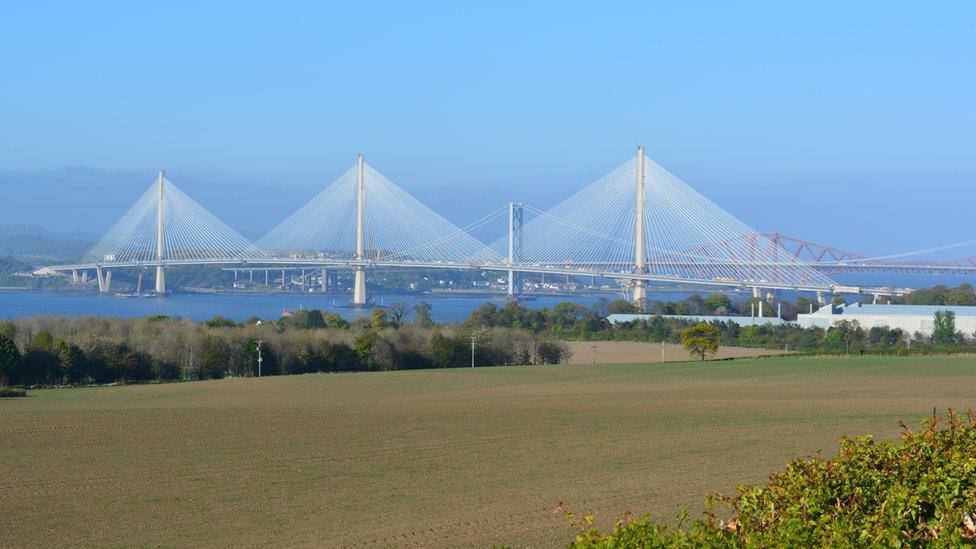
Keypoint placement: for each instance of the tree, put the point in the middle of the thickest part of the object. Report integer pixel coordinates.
(944, 327)
(717, 304)
(333, 320)
(622, 306)
(421, 315)
(214, 353)
(363, 344)
(850, 332)
(566, 313)
(804, 305)
(448, 351)
(378, 319)
(398, 310)
(9, 360)
(484, 315)
(701, 339)
(219, 321)
(71, 360)
(40, 361)
(307, 319)
(551, 352)
(8, 328)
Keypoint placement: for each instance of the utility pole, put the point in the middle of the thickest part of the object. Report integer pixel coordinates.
(472, 350)
(359, 283)
(160, 242)
(593, 347)
(260, 358)
(640, 289)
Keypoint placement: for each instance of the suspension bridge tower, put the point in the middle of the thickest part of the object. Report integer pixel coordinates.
(160, 239)
(359, 282)
(640, 263)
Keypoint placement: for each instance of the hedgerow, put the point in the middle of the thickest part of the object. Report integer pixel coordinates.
(12, 392)
(919, 490)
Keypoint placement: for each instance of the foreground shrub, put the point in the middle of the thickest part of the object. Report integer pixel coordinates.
(7, 392)
(920, 490)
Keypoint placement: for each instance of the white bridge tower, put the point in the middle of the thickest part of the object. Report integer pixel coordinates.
(359, 283)
(640, 264)
(160, 239)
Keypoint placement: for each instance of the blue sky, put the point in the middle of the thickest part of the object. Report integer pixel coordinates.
(834, 121)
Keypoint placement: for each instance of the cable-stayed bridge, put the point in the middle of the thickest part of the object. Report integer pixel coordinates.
(639, 223)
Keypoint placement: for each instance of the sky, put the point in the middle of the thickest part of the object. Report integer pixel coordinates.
(846, 123)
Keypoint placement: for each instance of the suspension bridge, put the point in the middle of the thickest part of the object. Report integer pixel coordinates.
(639, 224)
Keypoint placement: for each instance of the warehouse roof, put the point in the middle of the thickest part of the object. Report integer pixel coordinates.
(907, 310)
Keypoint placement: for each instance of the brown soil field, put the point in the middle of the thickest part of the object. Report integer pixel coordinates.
(466, 457)
(631, 352)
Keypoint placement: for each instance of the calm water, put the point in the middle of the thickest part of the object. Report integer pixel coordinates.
(242, 306)
(446, 308)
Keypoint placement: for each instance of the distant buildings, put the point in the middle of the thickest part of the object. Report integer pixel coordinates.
(44, 272)
(910, 318)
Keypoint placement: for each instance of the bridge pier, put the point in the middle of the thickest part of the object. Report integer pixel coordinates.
(100, 276)
(640, 294)
(108, 281)
(359, 287)
(324, 281)
(160, 280)
(820, 299)
(74, 276)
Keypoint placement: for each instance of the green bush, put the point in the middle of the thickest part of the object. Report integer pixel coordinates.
(7, 392)
(920, 490)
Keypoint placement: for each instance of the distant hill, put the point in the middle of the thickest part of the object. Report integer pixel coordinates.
(41, 248)
(37, 244)
(16, 229)
(24, 229)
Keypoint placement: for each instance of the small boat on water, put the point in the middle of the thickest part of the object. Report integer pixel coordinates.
(133, 295)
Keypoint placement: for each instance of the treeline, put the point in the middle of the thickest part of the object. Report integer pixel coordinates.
(73, 350)
(574, 322)
(963, 294)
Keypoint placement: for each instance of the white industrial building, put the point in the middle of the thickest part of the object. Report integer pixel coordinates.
(910, 318)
